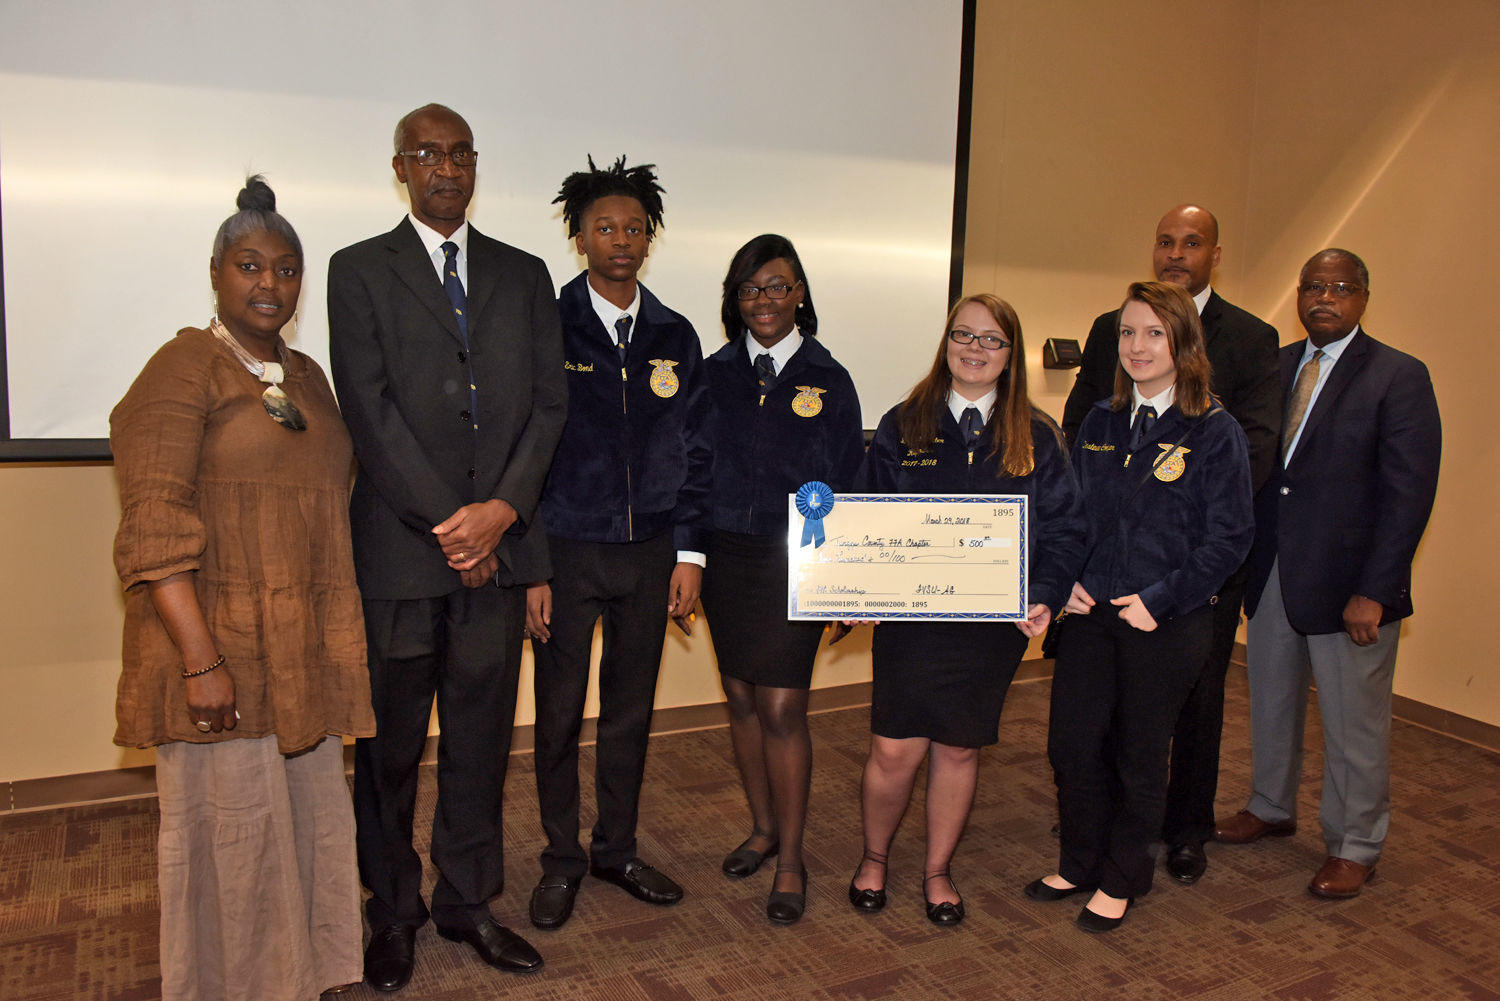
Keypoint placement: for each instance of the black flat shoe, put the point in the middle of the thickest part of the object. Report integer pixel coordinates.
(945, 913)
(746, 861)
(390, 956)
(868, 901)
(786, 908)
(1097, 923)
(1038, 890)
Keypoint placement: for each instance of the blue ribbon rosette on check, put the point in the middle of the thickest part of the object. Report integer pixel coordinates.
(814, 501)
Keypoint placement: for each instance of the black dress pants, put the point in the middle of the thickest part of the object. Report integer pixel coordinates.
(465, 648)
(1194, 776)
(625, 583)
(1116, 695)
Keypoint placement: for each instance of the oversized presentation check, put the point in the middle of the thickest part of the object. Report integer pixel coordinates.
(906, 556)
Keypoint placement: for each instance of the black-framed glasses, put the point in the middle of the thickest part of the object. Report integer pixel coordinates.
(1340, 290)
(987, 341)
(429, 157)
(748, 292)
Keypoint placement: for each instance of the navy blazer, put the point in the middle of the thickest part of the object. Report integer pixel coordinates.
(1345, 515)
(634, 460)
(402, 376)
(765, 449)
(1055, 523)
(1187, 527)
(1241, 349)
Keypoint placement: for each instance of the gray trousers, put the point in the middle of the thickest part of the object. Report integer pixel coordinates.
(1354, 697)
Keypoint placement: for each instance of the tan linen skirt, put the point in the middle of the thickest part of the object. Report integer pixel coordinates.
(259, 886)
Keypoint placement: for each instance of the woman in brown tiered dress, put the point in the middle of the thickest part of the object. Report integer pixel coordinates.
(244, 653)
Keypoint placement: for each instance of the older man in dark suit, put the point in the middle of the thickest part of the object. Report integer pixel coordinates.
(447, 357)
(1242, 351)
(1336, 530)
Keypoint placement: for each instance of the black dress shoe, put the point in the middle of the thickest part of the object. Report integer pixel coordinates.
(784, 907)
(497, 945)
(552, 900)
(868, 901)
(745, 861)
(1098, 923)
(390, 956)
(945, 913)
(640, 881)
(1187, 863)
(1039, 890)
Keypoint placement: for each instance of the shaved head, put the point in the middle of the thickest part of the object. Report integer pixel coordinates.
(1186, 249)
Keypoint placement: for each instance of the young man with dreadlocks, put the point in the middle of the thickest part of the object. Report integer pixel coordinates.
(625, 514)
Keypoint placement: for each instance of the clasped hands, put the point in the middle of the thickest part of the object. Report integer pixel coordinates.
(469, 537)
(1132, 608)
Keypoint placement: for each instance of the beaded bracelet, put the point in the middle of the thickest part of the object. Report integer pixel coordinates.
(201, 671)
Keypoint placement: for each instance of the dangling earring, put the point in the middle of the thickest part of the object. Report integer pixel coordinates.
(216, 304)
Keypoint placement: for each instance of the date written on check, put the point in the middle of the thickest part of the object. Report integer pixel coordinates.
(907, 557)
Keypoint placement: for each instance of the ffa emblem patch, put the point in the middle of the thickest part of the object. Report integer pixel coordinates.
(1172, 466)
(807, 403)
(664, 381)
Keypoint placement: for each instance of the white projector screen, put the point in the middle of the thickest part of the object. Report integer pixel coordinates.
(125, 133)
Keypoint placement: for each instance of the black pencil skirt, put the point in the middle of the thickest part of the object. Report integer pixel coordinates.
(745, 602)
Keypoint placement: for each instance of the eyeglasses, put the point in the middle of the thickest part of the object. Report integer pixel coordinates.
(1340, 290)
(748, 292)
(987, 341)
(434, 157)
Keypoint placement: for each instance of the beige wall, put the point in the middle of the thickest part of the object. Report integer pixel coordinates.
(1370, 125)
(1365, 125)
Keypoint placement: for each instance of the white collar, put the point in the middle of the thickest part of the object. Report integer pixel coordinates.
(986, 404)
(1201, 299)
(1332, 349)
(608, 312)
(781, 351)
(1161, 401)
(433, 240)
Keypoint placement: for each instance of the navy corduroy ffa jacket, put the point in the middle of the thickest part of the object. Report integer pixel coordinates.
(634, 460)
(1185, 530)
(808, 427)
(1055, 511)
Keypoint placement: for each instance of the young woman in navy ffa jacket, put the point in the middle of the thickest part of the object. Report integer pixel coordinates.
(783, 413)
(967, 427)
(1165, 477)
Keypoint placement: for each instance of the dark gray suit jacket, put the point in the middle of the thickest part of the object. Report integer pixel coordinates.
(402, 377)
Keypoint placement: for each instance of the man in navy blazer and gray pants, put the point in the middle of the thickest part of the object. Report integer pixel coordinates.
(1336, 530)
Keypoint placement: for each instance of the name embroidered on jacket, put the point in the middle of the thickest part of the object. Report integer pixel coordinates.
(578, 366)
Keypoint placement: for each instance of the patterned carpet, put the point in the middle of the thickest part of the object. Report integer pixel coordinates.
(78, 896)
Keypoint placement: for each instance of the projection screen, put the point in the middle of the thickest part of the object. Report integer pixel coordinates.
(126, 131)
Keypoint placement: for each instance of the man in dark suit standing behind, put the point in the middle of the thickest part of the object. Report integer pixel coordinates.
(447, 357)
(1242, 351)
(1336, 530)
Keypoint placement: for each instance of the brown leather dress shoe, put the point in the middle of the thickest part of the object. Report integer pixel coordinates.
(1245, 827)
(1340, 879)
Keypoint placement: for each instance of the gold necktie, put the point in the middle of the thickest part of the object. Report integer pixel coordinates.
(1302, 393)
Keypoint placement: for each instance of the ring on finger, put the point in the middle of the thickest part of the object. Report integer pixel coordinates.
(204, 726)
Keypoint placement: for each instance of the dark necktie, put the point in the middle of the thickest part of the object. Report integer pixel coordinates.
(622, 333)
(971, 424)
(455, 290)
(1145, 416)
(765, 368)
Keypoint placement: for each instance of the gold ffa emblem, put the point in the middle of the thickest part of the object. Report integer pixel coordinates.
(807, 402)
(1171, 467)
(664, 381)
